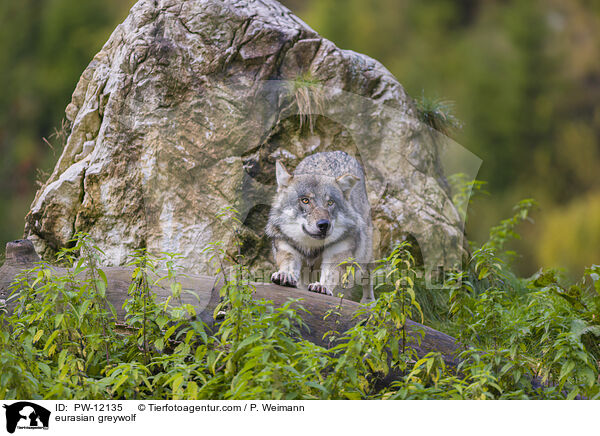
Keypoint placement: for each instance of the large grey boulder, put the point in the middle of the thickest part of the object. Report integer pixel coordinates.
(185, 110)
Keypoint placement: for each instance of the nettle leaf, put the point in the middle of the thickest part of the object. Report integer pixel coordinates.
(566, 369)
(101, 287)
(161, 321)
(102, 275)
(52, 350)
(191, 391)
(62, 358)
(37, 336)
(83, 309)
(573, 394)
(250, 340)
(352, 395)
(170, 331)
(51, 339)
(120, 382)
(589, 376)
(166, 303)
(176, 289)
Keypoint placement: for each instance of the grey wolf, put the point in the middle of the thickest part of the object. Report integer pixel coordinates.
(319, 218)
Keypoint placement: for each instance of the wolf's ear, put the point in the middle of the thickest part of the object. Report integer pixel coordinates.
(347, 182)
(283, 177)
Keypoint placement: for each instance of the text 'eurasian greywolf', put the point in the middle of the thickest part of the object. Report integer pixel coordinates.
(321, 217)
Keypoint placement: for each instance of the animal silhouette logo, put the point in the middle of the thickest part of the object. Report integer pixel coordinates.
(24, 414)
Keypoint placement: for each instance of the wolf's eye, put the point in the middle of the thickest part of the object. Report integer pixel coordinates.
(330, 203)
(304, 200)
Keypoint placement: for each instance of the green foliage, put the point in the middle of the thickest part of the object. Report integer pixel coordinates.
(59, 337)
(535, 338)
(437, 114)
(506, 230)
(464, 191)
(527, 338)
(64, 341)
(309, 98)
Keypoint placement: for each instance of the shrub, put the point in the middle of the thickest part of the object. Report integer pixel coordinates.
(521, 337)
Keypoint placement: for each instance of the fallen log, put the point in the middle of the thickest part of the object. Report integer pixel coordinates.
(21, 255)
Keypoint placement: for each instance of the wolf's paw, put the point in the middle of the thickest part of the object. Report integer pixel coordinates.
(284, 279)
(319, 288)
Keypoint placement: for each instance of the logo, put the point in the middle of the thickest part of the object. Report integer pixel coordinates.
(26, 415)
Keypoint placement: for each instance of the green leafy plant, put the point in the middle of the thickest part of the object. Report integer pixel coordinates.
(437, 114)
(521, 338)
(464, 191)
(534, 337)
(309, 98)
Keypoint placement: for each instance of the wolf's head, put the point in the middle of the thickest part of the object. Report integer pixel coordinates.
(312, 209)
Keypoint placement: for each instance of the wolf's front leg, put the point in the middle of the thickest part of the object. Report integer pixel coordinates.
(331, 278)
(328, 281)
(367, 286)
(331, 273)
(289, 262)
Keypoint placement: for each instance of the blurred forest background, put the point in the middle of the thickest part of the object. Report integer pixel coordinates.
(523, 77)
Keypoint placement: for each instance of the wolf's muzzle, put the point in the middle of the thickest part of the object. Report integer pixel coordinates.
(319, 235)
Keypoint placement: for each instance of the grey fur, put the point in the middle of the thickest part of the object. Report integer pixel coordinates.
(301, 212)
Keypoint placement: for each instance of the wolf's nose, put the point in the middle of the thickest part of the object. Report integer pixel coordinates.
(323, 225)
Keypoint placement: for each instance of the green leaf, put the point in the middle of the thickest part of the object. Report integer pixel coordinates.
(101, 288)
(352, 395)
(83, 309)
(61, 358)
(166, 304)
(589, 376)
(573, 393)
(507, 367)
(45, 369)
(249, 340)
(104, 282)
(52, 350)
(430, 362)
(170, 331)
(37, 336)
(566, 369)
(176, 289)
(122, 380)
(192, 390)
(50, 339)
(316, 385)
